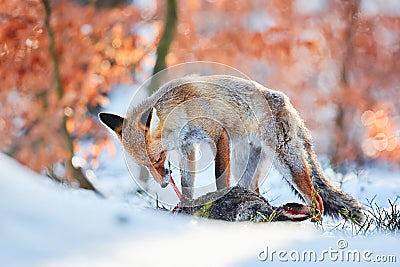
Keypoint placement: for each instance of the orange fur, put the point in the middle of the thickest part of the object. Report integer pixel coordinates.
(304, 184)
(222, 161)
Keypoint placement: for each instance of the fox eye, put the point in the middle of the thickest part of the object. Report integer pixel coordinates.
(159, 160)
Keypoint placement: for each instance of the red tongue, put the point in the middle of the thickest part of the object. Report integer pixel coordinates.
(178, 194)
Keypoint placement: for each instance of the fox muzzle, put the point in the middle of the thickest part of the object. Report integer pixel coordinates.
(166, 178)
(163, 175)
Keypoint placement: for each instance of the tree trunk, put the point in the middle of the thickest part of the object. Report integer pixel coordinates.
(76, 173)
(341, 144)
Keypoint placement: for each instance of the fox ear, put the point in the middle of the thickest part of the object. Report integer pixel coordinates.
(113, 122)
(150, 121)
(154, 122)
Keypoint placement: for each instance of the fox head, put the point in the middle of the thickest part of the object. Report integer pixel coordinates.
(140, 135)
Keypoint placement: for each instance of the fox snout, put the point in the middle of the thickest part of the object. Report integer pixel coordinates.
(166, 178)
(161, 170)
(161, 174)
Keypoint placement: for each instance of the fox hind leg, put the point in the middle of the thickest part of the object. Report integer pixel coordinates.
(297, 172)
(289, 140)
(304, 183)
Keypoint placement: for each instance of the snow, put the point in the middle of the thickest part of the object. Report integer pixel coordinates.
(47, 224)
(44, 224)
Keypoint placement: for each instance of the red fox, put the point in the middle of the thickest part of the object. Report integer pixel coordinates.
(248, 125)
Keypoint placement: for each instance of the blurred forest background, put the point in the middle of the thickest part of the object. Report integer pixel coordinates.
(339, 62)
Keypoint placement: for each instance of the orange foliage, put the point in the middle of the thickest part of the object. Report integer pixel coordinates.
(96, 48)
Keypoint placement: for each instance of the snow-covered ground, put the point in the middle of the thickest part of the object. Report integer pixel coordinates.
(47, 224)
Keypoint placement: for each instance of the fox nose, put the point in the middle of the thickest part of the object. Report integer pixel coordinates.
(167, 177)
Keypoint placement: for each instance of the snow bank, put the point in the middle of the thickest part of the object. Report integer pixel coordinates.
(46, 224)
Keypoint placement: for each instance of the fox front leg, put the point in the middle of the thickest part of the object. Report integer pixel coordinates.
(222, 161)
(187, 165)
